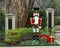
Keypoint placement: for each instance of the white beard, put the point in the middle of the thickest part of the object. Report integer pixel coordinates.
(36, 18)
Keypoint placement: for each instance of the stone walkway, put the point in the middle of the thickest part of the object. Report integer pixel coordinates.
(34, 47)
(58, 40)
(57, 36)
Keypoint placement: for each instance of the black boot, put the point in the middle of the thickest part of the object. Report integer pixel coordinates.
(34, 36)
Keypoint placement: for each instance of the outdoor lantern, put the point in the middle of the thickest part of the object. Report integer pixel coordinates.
(31, 21)
(41, 36)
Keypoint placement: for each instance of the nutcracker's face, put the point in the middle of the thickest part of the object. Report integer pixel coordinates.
(35, 14)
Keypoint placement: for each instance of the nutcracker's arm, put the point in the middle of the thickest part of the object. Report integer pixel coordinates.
(40, 21)
(31, 21)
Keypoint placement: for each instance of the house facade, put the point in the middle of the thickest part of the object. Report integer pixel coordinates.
(10, 19)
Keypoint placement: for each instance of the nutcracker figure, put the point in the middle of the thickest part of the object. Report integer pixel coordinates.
(36, 22)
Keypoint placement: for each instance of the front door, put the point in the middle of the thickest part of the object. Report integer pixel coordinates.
(50, 21)
(9, 23)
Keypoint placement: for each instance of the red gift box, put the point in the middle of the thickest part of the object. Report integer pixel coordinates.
(50, 39)
(41, 36)
(47, 35)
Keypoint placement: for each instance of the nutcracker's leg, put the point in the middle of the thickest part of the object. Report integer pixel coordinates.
(37, 32)
(34, 34)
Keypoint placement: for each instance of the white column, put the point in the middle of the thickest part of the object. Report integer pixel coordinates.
(6, 23)
(47, 18)
(13, 22)
(6, 26)
(52, 18)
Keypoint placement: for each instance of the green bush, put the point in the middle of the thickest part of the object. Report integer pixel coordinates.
(12, 36)
(44, 18)
(28, 19)
(22, 34)
(2, 23)
(44, 31)
(55, 28)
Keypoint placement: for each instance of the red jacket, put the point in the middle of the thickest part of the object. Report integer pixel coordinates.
(32, 21)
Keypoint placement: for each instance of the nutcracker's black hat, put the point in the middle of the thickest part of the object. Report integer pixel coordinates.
(36, 8)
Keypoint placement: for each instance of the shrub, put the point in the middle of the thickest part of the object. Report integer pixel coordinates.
(55, 28)
(22, 34)
(12, 36)
(44, 18)
(28, 19)
(44, 31)
(2, 23)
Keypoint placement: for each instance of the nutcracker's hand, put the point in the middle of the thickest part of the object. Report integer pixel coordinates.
(39, 27)
(34, 22)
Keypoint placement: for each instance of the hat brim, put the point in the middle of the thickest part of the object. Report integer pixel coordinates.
(36, 8)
